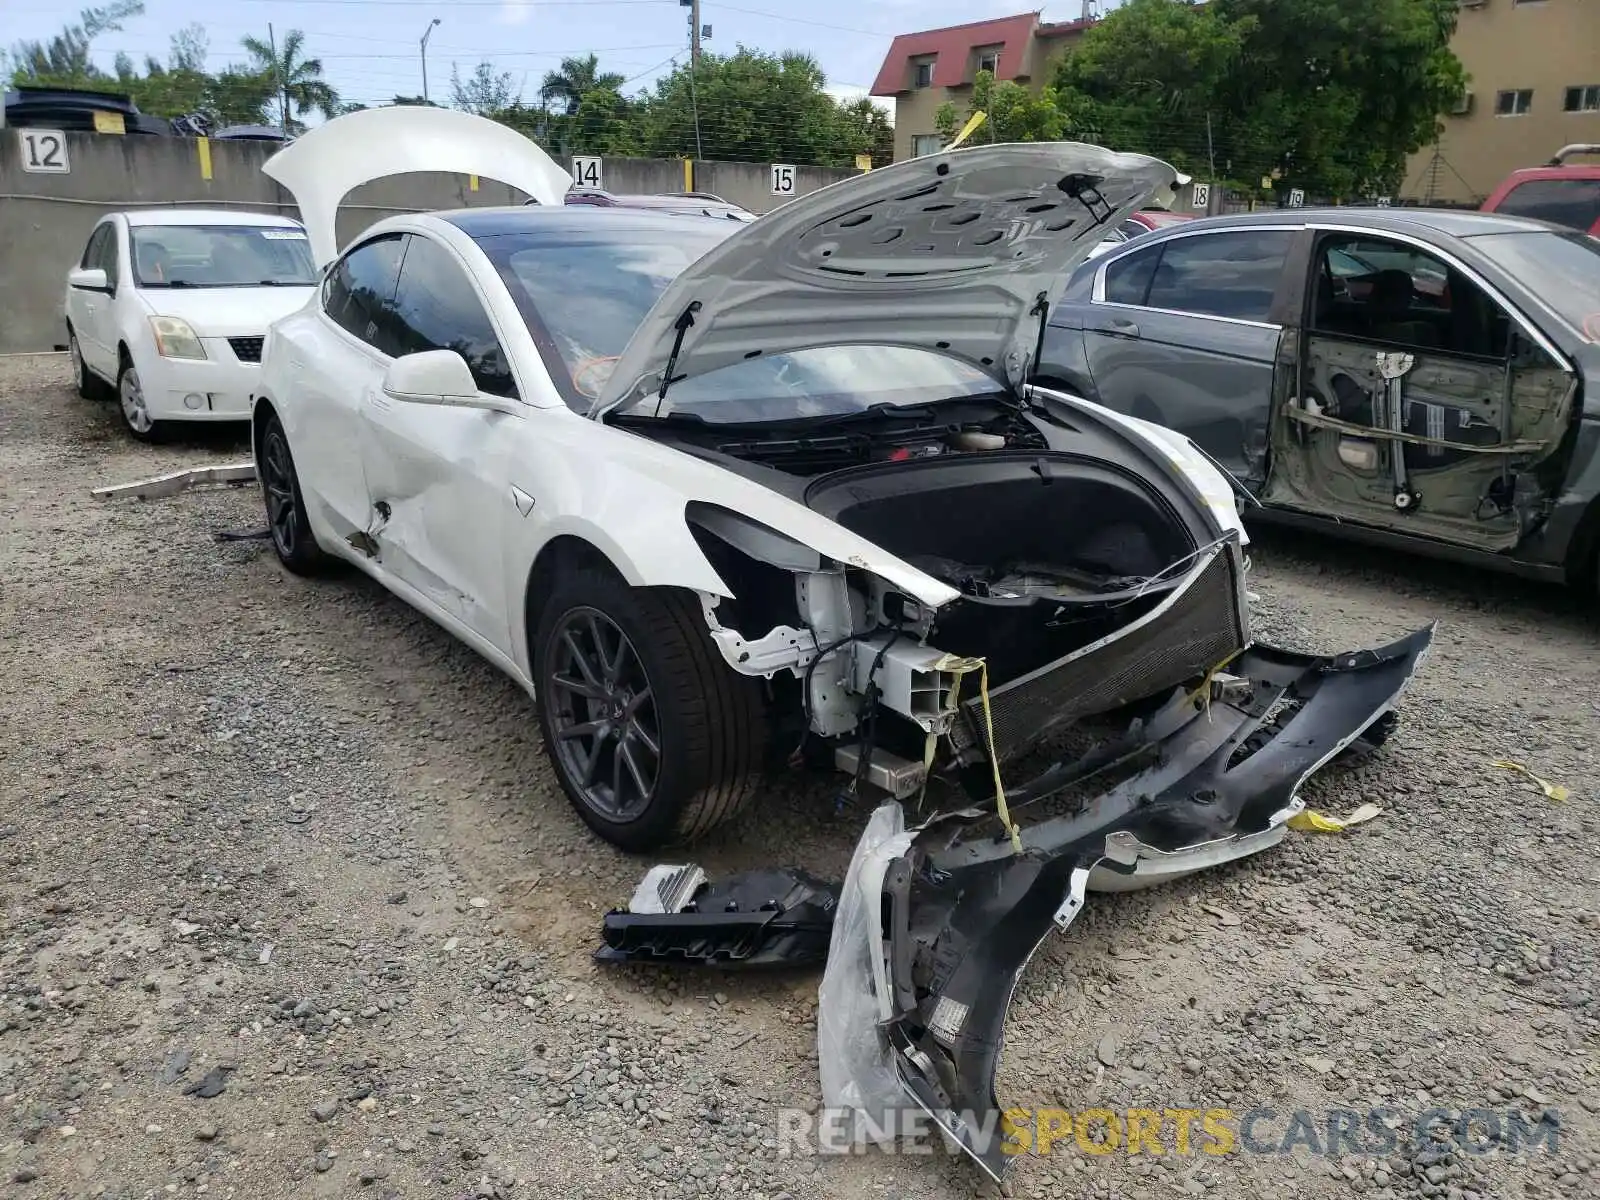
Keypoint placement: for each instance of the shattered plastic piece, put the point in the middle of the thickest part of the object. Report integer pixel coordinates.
(1554, 791)
(1315, 822)
(178, 481)
(952, 913)
(757, 919)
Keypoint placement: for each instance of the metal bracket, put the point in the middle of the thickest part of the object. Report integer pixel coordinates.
(178, 481)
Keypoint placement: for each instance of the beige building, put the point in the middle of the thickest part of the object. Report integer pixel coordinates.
(1534, 86)
(923, 70)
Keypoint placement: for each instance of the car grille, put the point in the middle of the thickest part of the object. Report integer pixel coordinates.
(247, 349)
(1191, 632)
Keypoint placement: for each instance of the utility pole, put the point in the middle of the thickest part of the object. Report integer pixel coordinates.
(426, 34)
(694, 32)
(283, 87)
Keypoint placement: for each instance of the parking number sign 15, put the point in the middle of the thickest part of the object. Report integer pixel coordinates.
(43, 150)
(783, 179)
(586, 171)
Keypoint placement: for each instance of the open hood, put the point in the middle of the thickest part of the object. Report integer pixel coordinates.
(323, 166)
(948, 252)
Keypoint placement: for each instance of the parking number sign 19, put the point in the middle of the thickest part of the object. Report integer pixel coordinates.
(1202, 195)
(783, 179)
(586, 171)
(43, 150)
(1297, 197)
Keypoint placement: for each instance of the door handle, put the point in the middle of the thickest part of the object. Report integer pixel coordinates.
(1120, 327)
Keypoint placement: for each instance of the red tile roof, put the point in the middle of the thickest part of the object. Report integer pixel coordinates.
(954, 46)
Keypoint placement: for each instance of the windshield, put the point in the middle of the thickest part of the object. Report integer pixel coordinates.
(213, 256)
(1562, 269)
(584, 294)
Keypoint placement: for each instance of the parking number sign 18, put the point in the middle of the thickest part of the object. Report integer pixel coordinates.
(43, 150)
(586, 171)
(783, 179)
(1202, 195)
(1297, 197)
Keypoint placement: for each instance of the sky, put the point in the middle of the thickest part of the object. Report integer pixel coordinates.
(370, 51)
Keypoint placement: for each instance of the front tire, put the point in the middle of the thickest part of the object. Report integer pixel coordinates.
(133, 406)
(292, 538)
(654, 738)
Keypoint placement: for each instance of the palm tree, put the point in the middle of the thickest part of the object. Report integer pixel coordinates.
(300, 86)
(575, 77)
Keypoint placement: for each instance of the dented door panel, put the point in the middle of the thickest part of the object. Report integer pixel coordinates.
(1467, 461)
(437, 478)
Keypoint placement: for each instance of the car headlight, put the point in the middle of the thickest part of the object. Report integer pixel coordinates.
(175, 338)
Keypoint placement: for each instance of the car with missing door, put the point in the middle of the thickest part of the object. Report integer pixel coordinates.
(1417, 378)
(166, 310)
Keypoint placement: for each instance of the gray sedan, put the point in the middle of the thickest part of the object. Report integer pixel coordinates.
(1426, 379)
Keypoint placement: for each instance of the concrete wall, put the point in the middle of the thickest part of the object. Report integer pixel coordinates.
(45, 219)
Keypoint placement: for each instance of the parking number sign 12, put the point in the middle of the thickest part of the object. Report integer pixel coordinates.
(43, 150)
(783, 179)
(586, 171)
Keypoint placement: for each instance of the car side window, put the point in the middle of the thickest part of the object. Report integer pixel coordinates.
(437, 308)
(109, 258)
(93, 247)
(359, 293)
(1128, 278)
(1230, 274)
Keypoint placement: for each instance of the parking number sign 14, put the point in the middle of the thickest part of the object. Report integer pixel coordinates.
(43, 150)
(783, 179)
(586, 171)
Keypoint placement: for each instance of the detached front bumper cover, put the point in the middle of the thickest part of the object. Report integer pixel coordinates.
(952, 913)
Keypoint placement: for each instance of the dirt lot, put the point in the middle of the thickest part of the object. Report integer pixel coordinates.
(290, 839)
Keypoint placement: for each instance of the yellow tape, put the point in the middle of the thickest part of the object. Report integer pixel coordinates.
(1314, 822)
(1553, 790)
(960, 667)
(968, 129)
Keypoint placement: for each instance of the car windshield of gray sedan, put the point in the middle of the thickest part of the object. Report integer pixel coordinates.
(584, 296)
(1562, 269)
(217, 256)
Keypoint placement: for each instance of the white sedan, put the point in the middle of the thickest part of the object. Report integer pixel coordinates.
(169, 307)
(718, 493)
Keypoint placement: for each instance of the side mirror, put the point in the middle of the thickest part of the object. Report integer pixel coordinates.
(89, 279)
(439, 377)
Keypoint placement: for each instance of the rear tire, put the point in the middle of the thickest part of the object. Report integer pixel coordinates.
(620, 669)
(90, 386)
(292, 538)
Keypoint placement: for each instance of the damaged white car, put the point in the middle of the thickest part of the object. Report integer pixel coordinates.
(714, 491)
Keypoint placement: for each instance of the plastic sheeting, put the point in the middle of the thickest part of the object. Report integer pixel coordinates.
(858, 1074)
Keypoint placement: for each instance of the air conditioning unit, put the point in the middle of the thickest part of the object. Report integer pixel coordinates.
(1471, 3)
(1463, 106)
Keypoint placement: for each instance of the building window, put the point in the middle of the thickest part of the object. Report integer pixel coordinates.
(922, 73)
(925, 143)
(989, 60)
(1583, 99)
(1513, 104)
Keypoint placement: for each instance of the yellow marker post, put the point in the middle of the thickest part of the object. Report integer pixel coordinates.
(203, 149)
(109, 122)
(863, 162)
(688, 174)
(472, 183)
(968, 129)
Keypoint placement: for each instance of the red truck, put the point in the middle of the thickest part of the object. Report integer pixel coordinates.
(1562, 192)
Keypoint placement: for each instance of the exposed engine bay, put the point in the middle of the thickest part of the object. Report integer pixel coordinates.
(1080, 585)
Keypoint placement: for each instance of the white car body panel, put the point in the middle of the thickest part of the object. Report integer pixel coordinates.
(323, 166)
(951, 253)
(219, 386)
(450, 507)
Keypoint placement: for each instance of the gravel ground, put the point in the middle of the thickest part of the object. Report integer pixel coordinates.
(292, 906)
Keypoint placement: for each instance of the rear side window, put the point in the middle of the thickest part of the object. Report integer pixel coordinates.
(437, 308)
(1232, 274)
(359, 293)
(1128, 279)
(1571, 202)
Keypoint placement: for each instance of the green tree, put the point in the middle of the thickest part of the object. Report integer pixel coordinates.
(864, 128)
(484, 91)
(64, 60)
(575, 78)
(299, 87)
(1012, 113)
